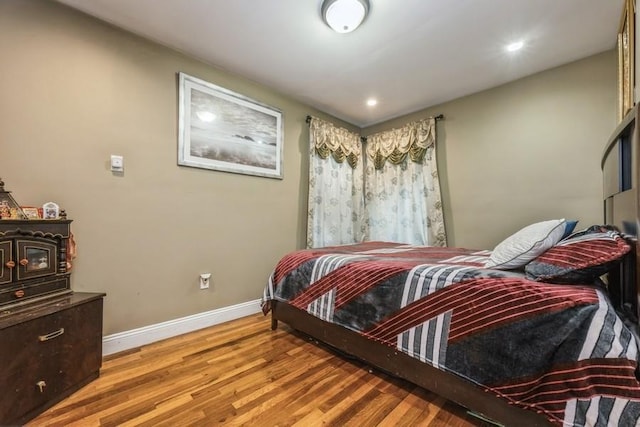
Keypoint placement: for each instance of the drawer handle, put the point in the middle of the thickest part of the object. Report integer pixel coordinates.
(10, 264)
(24, 262)
(41, 385)
(52, 335)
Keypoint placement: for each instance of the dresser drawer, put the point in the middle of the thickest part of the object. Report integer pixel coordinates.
(42, 358)
(21, 293)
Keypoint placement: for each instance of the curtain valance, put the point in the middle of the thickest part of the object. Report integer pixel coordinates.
(395, 145)
(335, 141)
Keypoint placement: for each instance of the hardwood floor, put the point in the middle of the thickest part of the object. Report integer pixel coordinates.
(242, 373)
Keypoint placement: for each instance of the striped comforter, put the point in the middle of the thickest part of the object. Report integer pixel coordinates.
(560, 350)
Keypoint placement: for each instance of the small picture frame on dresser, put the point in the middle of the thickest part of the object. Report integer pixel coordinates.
(31, 212)
(50, 210)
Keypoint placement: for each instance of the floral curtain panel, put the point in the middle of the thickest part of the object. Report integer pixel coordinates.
(402, 188)
(336, 201)
(389, 193)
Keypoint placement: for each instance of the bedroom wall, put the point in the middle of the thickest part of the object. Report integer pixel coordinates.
(524, 152)
(73, 91)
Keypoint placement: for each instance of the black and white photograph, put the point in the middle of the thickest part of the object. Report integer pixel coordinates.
(222, 130)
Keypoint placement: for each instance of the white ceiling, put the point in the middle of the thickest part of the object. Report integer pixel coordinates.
(409, 54)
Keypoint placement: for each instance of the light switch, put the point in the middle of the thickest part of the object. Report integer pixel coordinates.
(117, 163)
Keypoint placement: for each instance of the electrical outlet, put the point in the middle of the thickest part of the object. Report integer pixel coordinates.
(204, 280)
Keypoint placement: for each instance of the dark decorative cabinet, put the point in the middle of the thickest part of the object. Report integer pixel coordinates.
(50, 337)
(33, 259)
(48, 350)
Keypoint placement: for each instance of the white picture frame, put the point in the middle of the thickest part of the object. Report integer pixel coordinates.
(222, 130)
(50, 210)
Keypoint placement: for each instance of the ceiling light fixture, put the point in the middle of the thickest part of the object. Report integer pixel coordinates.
(515, 46)
(371, 102)
(344, 16)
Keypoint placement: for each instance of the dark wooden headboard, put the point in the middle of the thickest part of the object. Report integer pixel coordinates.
(620, 162)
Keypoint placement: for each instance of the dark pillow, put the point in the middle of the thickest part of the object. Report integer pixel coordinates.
(569, 226)
(580, 258)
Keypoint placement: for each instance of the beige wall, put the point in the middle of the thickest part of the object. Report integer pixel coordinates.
(526, 151)
(74, 90)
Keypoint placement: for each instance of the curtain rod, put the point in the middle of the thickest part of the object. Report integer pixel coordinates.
(436, 118)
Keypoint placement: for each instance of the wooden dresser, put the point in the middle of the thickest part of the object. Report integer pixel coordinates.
(48, 350)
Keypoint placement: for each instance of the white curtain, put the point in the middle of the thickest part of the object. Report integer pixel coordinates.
(336, 204)
(402, 189)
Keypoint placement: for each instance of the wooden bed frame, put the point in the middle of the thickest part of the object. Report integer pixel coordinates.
(621, 190)
(398, 364)
(620, 209)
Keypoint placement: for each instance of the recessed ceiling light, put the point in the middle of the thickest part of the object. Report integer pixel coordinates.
(515, 46)
(372, 102)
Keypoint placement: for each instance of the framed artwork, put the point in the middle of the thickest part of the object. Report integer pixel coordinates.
(32, 212)
(626, 62)
(222, 130)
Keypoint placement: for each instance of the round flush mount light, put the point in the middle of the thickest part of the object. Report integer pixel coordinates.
(372, 102)
(344, 16)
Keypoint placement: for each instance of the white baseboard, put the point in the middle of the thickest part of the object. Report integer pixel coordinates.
(146, 335)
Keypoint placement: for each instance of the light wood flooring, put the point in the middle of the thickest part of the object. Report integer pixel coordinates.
(242, 373)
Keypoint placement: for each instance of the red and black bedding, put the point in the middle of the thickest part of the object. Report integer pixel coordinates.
(556, 348)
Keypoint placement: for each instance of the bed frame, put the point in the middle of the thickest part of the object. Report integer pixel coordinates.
(619, 165)
(398, 364)
(621, 190)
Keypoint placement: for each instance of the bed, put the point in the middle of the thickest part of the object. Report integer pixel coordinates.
(541, 330)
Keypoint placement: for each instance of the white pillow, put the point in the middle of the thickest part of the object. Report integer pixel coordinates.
(523, 246)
